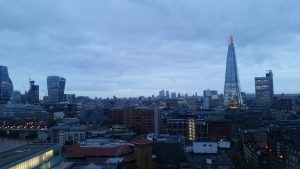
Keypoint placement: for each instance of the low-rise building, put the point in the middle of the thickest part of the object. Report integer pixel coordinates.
(205, 147)
(31, 156)
(136, 154)
(207, 161)
(67, 133)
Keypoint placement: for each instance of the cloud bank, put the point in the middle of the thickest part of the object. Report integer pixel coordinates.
(137, 47)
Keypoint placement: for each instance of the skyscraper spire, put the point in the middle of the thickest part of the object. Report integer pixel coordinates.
(230, 40)
(232, 91)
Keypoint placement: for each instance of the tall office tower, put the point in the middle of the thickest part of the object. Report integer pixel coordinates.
(264, 91)
(56, 88)
(173, 95)
(167, 94)
(210, 99)
(178, 95)
(161, 94)
(6, 86)
(232, 90)
(33, 93)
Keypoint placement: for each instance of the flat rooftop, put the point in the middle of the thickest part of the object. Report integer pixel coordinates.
(22, 152)
(219, 158)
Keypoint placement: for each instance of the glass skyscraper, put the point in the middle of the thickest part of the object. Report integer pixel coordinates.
(56, 89)
(232, 90)
(6, 86)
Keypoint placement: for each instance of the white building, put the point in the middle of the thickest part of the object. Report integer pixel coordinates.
(205, 147)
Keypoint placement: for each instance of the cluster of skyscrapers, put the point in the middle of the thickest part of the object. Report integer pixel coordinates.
(55, 85)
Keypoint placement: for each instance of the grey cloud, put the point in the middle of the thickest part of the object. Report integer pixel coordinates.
(136, 47)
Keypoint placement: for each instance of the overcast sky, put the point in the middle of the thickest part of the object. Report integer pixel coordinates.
(138, 47)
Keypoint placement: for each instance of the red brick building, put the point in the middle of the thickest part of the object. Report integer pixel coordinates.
(218, 130)
(143, 119)
(136, 154)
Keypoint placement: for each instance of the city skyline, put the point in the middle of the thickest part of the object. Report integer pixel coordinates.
(134, 48)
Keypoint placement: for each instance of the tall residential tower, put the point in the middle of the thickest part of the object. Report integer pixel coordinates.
(232, 90)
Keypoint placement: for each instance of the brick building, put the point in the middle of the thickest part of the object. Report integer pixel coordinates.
(143, 119)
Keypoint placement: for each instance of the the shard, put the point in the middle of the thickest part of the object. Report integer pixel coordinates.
(232, 90)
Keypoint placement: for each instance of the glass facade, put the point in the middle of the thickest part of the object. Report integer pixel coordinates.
(56, 88)
(232, 91)
(6, 86)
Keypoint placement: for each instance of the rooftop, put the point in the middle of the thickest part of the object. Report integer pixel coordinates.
(93, 166)
(23, 152)
(203, 159)
(141, 141)
(73, 127)
(78, 151)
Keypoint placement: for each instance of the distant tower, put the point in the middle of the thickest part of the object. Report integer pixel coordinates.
(162, 94)
(6, 86)
(33, 93)
(56, 89)
(167, 94)
(232, 90)
(173, 95)
(264, 91)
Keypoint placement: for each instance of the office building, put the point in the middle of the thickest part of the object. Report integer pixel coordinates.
(31, 156)
(23, 112)
(173, 95)
(210, 99)
(264, 91)
(169, 151)
(16, 98)
(33, 93)
(70, 98)
(218, 130)
(209, 159)
(293, 155)
(167, 94)
(56, 88)
(232, 90)
(190, 127)
(143, 153)
(6, 86)
(67, 133)
(161, 94)
(143, 119)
